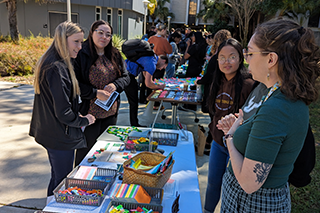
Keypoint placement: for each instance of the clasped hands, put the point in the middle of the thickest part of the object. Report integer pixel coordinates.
(230, 123)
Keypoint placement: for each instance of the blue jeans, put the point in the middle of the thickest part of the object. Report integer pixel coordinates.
(61, 162)
(219, 157)
(170, 70)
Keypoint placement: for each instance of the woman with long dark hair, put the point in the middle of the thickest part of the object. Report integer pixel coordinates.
(195, 53)
(100, 71)
(230, 88)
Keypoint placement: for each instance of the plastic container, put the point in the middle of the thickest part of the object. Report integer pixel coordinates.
(128, 205)
(164, 126)
(165, 138)
(69, 181)
(138, 147)
(80, 199)
(162, 138)
(104, 175)
(156, 195)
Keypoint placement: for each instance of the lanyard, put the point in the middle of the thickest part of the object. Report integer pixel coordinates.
(274, 88)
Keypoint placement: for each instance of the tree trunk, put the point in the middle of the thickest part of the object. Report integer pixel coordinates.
(12, 17)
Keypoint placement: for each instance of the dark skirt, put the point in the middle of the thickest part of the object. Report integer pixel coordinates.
(235, 199)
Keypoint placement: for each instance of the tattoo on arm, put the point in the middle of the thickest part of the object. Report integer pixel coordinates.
(262, 170)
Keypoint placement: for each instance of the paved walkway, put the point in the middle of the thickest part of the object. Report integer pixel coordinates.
(25, 170)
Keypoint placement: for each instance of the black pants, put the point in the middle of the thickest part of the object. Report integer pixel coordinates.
(132, 95)
(143, 90)
(157, 75)
(61, 162)
(92, 132)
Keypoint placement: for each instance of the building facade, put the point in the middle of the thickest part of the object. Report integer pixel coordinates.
(125, 16)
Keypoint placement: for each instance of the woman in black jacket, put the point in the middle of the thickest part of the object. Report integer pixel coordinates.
(56, 123)
(195, 53)
(100, 71)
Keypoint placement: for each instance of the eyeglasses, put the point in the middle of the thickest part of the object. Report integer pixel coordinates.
(101, 33)
(246, 53)
(232, 59)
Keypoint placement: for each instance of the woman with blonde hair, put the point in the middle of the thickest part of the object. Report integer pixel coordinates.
(56, 122)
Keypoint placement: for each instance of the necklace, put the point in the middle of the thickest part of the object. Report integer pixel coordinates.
(274, 88)
(100, 53)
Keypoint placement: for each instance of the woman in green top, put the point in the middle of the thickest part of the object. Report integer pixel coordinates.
(283, 56)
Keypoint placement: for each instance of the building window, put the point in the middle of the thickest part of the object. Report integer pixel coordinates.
(120, 19)
(109, 16)
(98, 13)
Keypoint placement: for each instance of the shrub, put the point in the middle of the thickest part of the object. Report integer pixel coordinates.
(20, 59)
(117, 42)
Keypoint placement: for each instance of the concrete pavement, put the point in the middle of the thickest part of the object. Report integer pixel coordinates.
(25, 170)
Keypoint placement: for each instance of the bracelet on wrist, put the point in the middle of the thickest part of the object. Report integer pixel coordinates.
(224, 139)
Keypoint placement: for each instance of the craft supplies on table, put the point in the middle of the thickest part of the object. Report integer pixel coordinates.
(111, 153)
(139, 144)
(129, 193)
(122, 133)
(174, 96)
(176, 83)
(140, 140)
(183, 179)
(104, 175)
(143, 178)
(164, 126)
(82, 192)
(176, 93)
(145, 208)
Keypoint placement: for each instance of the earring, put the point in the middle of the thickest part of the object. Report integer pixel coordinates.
(268, 76)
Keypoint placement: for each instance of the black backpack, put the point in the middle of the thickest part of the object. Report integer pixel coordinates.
(300, 176)
(133, 49)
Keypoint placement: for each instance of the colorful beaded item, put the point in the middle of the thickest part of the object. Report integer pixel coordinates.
(122, 133)
(121, 209)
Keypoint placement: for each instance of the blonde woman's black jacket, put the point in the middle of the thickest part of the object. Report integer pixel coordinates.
(82, 65)
(55, 122)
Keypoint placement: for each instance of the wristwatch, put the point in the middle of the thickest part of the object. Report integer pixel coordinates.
(224, 139)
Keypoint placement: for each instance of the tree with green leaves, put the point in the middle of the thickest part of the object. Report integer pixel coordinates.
(161, 12)
(243, 11)
(12, 16)
(298, 10)
(214, 10)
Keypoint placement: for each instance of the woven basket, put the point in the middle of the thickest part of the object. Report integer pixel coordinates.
(145, 179)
